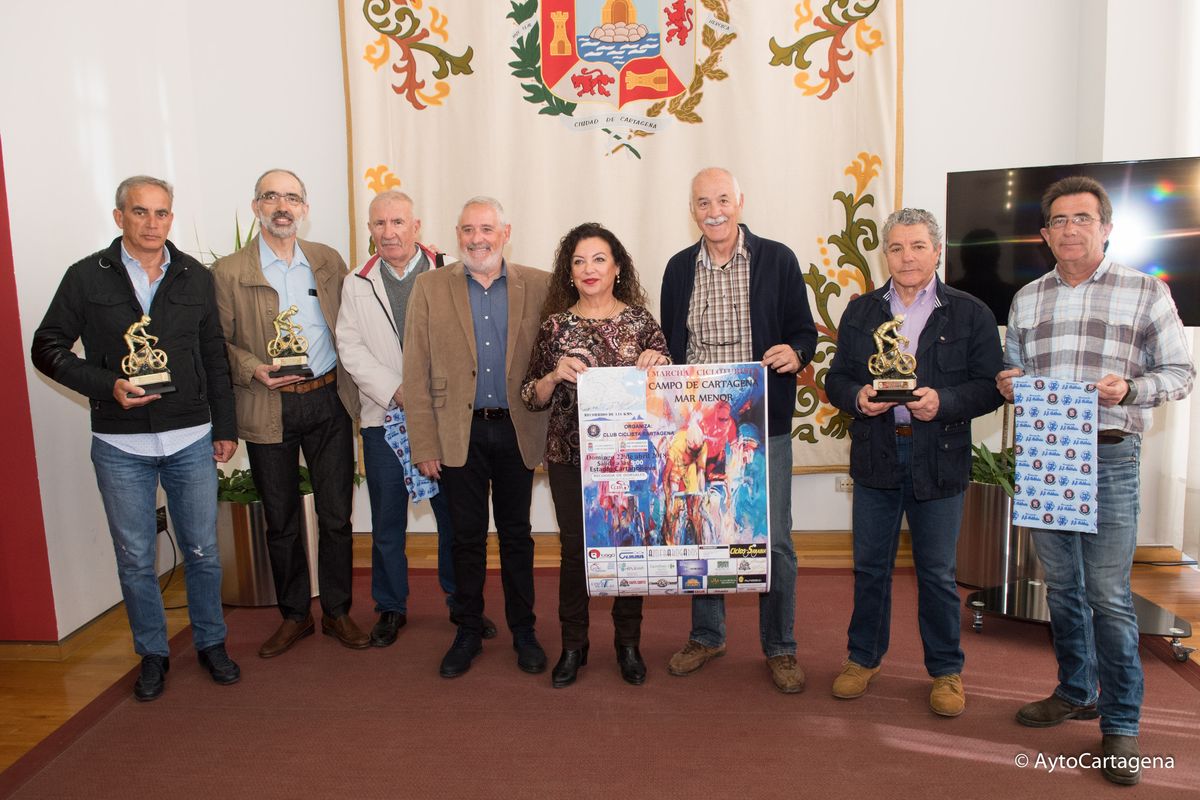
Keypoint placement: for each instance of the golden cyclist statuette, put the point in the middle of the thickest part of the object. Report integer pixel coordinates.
(289, 348)
(894, 369)
(146, 365)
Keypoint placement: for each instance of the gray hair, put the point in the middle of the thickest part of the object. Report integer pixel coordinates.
(1077, 184)
(391, 194)
(737, 187)
(914, 216)
(141, 180)
(258, 183)
(490, 202)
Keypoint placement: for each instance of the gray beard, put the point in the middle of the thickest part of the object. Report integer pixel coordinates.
(278, 231)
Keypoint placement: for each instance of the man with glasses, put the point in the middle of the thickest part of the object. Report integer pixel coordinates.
(734, 297)
(280, 416)
(139, 439)
(1097, 321)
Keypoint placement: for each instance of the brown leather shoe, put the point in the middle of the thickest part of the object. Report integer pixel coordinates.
(289, 632)
(1051, 711)
(853, 680)
(346, 632)
(692, 657)
(1122, 759)
(947, 698)
(786, 674)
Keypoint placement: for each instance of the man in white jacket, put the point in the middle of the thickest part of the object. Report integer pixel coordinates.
(370, 331)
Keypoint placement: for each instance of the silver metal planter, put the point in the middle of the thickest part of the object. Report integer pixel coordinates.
(991, 551)
(245, 563)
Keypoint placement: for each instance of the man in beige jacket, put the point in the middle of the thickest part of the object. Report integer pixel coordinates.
(281, 416)
(467, 340)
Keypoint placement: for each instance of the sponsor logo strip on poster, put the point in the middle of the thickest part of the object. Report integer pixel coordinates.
(674, 472)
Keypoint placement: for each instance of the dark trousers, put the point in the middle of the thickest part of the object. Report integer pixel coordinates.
(317, 424)
(567, 489)
(493, 462)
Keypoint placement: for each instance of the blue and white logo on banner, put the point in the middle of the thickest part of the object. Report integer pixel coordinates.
(1055, 446)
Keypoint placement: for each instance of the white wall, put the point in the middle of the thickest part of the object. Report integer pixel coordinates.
(196, 93)
(210, 94)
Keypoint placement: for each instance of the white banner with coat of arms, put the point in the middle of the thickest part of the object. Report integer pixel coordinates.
(570, 111)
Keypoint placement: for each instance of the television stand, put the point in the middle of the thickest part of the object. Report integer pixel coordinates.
(1025, 599)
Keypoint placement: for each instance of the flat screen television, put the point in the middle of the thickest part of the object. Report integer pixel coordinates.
(993, 219)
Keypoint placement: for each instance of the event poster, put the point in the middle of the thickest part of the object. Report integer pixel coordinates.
(674, 468)
(1054, 442)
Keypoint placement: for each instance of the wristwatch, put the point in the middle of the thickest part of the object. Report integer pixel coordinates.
(1130, 393)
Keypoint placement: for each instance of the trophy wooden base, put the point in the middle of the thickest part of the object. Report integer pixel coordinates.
(894, 390)
(291, 365)
(153, 383)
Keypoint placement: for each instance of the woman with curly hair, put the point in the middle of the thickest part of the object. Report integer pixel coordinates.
(595, 316)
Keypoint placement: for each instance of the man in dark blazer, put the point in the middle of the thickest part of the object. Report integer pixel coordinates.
(737, 297)
(468, 336)
(913, 458)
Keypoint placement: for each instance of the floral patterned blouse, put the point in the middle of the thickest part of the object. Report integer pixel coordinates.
(614, 342)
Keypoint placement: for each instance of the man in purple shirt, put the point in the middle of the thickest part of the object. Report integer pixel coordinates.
(912, 459)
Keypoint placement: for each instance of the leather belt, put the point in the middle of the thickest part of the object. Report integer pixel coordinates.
(904, 430)
(1111, 436)
(307, 386)
(491, 413)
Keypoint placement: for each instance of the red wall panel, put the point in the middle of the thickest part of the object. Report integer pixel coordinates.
(26, 594)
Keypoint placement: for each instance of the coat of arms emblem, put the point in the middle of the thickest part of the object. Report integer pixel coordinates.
(615, 52)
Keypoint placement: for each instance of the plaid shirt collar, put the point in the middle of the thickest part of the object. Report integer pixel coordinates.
(1099, 273)
(703, 259)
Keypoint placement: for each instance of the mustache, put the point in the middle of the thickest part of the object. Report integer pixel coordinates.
(721, 220)
(283, 215)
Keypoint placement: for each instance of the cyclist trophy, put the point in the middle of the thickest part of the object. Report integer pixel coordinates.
(894, 369)
(288, 349)
(145, 366)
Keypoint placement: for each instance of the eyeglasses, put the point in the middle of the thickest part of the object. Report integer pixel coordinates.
(290, 198)
(1078, 220)
(718, 331)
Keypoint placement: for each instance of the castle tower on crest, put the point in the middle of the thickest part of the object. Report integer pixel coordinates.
(618, 11)
(560, 45)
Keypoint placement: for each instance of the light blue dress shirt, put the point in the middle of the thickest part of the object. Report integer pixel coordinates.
(296, 285)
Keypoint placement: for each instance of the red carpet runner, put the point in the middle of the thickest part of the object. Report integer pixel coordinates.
(323, 721)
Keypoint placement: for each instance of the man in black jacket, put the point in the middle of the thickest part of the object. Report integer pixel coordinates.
(914, 458)
(736, 297)
(140, 439)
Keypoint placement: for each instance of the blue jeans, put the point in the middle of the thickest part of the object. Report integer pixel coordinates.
(776, 608)
(934, 525)
(128, 485)
(1091, 605)
(389, 526)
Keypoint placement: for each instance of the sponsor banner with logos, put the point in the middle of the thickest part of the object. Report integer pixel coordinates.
(1054, 441)
(674, 471)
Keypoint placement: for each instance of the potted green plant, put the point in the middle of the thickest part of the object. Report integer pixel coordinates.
(991, 550)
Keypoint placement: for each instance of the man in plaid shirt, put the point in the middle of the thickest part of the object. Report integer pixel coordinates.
(1094, 320)
(734, 297)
